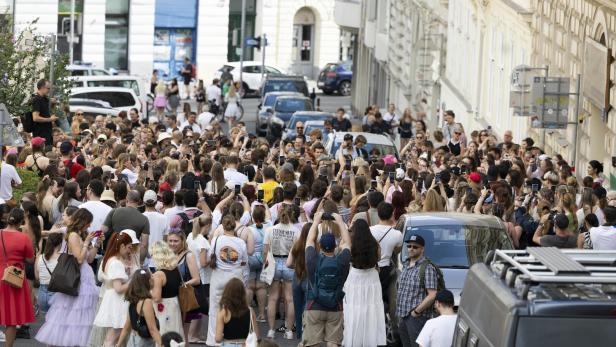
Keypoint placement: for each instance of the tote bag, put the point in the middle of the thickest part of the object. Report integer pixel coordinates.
(267, 275)
(66, 277)
(186, 295)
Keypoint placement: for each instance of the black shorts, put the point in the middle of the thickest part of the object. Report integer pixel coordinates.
(187, 79)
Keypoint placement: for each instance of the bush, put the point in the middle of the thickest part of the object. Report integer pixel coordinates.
(29, 183)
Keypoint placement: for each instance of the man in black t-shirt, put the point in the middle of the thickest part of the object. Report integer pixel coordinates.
(41, 114)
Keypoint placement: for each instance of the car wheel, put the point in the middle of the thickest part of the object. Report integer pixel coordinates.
(345, 88)
(244, 90)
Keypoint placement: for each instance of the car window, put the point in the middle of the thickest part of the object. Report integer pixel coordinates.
(330, 67)
(270, 100)
(78, 72)
(272, 70)
(286, 86)
(383, 149)
(347, 66)
(304, 118)
(99, 72)
(292, 105)
(252, 69)
(458, 245)
(115, 99)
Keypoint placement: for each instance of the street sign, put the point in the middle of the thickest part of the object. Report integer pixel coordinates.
(254, 41)
(550, 100)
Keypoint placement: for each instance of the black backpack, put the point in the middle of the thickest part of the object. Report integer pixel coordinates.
(186, 224)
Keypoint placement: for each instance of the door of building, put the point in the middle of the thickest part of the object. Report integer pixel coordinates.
(170, 47)
(303, 42)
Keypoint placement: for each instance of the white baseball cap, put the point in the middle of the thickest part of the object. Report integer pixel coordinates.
(132, 234)
(150, 196)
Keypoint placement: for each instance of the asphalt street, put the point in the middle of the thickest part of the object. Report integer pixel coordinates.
(329, 103)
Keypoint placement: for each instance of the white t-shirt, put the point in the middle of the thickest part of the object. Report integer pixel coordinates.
(99, 212)
(230, 252)
(213, 92)
(233, 178)
(387, 242)
(280, 238)
(438, 332)
(195, 127)
(131, 176)
(159, 227)
(8, 176)
(204, 119)
(603, 237)
(44, 273)
(196, 245)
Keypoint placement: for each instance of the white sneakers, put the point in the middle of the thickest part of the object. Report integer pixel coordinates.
(2, 337)
(289, 335)
(271, 334)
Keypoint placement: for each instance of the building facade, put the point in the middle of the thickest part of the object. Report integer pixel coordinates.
(136, 36)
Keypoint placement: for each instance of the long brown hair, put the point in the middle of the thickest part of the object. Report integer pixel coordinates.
(139, 287)
(113, 247)
(299, 252)
(233, 298)
(79, 223)
(53, 240)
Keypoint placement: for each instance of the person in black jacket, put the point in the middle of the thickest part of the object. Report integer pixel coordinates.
(340, 123)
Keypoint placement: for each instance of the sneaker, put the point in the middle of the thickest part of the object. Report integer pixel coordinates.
(2, 337)
(271, 334)
(289, 335)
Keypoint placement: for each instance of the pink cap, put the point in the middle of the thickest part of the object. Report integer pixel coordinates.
(389, 159)
(475, 177)
(38, 141)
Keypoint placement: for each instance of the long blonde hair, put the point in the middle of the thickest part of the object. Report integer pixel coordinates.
(433, 202)
(231, 93)
(198, 224)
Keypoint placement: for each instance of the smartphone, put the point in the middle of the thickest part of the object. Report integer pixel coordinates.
(373, 184)
(197, 185)
(281, 160)
(98, 233)
(237, 189)
(302, 150)
(419, 185)
(260, 195)
(260, 164)
(392, 177)
(613, 161)
(553, 189)
(535, 187)
(333, 183)
(211, 143)
(347, 164)
(437, 177)
(296, 201)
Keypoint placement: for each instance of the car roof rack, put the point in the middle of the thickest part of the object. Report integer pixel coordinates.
(553, 265)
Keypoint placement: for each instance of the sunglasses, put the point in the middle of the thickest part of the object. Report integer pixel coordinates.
(457, 133)
(79, 114)
(299, 128)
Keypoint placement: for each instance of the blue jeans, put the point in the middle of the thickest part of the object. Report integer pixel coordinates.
(300, 290)
(43, 297)
(230, 344)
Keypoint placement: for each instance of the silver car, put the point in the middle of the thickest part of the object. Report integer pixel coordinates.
(454, 242)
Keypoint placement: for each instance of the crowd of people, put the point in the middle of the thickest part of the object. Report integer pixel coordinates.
(152, 234)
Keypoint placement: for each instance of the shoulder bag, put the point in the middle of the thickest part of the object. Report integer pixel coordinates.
(142, 325)
(251, 339)
(13, 276)
(66, 277)
(186, 294)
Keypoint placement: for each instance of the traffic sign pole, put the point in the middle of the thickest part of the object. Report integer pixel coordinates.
(263, 44)
(242, 48)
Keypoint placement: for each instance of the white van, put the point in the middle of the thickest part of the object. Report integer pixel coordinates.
(121, 81)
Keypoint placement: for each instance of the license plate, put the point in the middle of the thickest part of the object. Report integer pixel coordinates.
(320, 84)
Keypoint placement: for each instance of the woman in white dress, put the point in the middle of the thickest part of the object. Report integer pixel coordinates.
(232, 98)
(116, 269)
(364, 313)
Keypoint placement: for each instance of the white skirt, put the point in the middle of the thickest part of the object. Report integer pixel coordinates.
(217, 285)
(364, 313)
(112, 311)
(169, 315)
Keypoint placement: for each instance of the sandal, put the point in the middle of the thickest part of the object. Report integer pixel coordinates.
(261, 319)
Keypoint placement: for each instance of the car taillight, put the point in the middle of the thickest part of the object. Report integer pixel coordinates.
(331, 74)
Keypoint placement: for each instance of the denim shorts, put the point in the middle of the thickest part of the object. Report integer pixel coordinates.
(44, 297)
(283, 273)
(255, 265)
(231, 344)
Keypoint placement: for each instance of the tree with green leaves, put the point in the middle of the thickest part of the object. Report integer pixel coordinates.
(26, 57)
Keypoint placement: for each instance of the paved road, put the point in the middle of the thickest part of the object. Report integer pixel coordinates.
(262, 330)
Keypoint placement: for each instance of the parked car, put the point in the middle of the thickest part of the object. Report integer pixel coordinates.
(336, 78)
(122, 81)
(87, 70)
(265, 109)
(303, 116)
(121, 99)
(284, 84)
(284, 108)
(541, 296)
(251, 74)
(454, 242)
(381, 142)
(91, 108)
